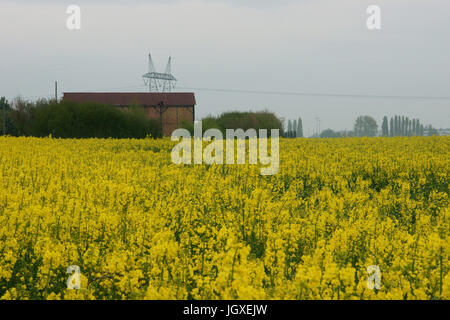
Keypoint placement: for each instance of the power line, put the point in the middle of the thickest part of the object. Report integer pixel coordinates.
(284, 93)
(92, 90)
(117, 88)
(40, 96)
(316, 94)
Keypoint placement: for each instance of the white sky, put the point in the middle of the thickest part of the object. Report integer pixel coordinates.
(294, 46)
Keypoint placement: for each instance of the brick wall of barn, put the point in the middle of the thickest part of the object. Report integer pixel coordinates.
(172, 117)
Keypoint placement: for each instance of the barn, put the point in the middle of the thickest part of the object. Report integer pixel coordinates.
(171, 109)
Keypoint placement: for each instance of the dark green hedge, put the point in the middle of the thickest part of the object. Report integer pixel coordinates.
(84, 120)
(240, 120)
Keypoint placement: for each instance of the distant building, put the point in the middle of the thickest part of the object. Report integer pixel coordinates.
(171, 109)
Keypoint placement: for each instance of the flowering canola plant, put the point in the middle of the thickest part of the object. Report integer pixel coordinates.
(140, 227)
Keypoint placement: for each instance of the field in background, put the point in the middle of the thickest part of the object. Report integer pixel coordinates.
(140, 227)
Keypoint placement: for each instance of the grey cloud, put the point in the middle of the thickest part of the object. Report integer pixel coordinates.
(298, 46)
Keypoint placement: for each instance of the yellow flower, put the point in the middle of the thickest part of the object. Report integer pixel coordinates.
(140, 227)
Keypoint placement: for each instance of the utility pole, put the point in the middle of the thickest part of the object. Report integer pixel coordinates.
(56, 91)
(318, 127)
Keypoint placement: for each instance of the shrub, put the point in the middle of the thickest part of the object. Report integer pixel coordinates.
(83, 120)
(239, 120)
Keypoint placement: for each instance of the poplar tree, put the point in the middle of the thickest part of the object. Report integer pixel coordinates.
(294, 129)
(404, 126)
(300, 128)
(385, 127)
(392, 127)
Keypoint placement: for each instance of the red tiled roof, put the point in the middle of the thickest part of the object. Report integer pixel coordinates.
(128, 98)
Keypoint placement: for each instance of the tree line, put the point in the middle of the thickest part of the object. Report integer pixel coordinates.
(294, 129)
(66, 119)
(405, 127)
(366, 126)
(92, 120)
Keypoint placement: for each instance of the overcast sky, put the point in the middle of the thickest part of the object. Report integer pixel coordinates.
(305, 46)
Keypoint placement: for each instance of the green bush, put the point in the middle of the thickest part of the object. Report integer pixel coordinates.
(328, 133)
(7, 125)
(85, 120)
(239, 120)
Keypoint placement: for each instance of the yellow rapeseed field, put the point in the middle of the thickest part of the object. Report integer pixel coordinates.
(141, 227)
